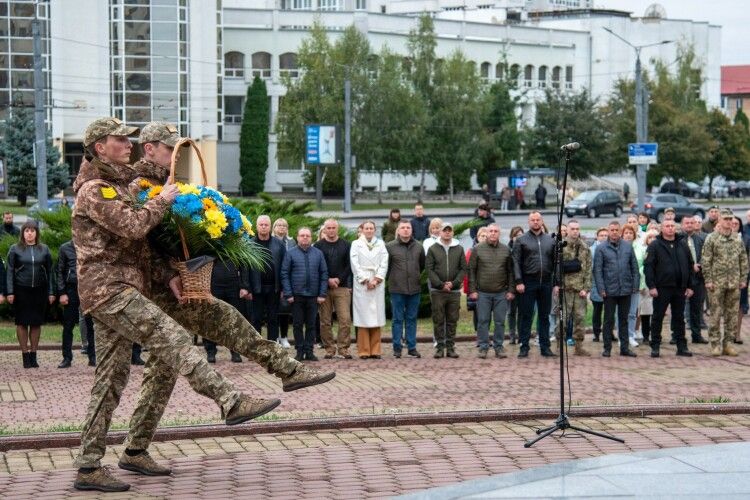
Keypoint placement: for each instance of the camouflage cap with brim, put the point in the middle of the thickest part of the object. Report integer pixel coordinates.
(104, 127)
(160, 132)
(727, 214)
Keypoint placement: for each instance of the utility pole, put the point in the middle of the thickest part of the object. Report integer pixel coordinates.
(40, 136)
(347, 143)
(641, 113)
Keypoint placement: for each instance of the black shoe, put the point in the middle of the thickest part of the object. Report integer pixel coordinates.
(376, 356)
(628, 354)
(595, 339)
(736, 341)
(397, 353)
(606, 354)
(654, 353)
(211, 357)
(547, 353)
(523, 353)
(236, 358)
(92, 361)
(84, 350)
(26, 359)
(700, 340)
(311, 357)
(32, 359)
(673, 342)
(65, 363)
(137, 361)
(685, 353)
(414, 353)
(300, 356)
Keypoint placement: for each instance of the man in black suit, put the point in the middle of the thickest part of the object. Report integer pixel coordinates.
(695, 239)
(266, 284)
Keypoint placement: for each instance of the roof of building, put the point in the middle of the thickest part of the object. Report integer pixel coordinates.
(735, 80)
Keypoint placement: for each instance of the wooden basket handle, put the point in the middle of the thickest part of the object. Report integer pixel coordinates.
(171, 180)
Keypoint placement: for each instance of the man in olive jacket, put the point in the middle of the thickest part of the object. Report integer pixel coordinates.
(577, 283)
(405, 265)
(446, 268)
(490, 282)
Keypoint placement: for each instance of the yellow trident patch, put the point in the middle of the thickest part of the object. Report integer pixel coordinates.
(109, 193)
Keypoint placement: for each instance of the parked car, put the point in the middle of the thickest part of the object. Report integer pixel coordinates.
(682, 188)
(657, 203)
(595, 203)
(53, 204)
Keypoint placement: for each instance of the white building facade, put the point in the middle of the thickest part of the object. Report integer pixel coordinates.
(190, 61)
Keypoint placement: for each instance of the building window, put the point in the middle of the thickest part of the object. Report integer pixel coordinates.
(528, 76)
(542, 77)
(296, 5)
(262, 64)
(234, 65)
(233, 106)
(568, 77)
(361, 5)
(330, 5)
(556, 71)
(288, 64)
(484, 70)
(738, 103)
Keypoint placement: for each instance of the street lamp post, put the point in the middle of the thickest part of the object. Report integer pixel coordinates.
(641, 113)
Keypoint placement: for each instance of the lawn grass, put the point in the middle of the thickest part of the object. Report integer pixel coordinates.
(13, 207)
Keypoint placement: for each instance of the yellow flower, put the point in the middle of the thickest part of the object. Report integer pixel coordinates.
(154, 192)
(187, 189)
(224, 198)
(247, 226)
(217, 217)
(208, 204)
(213, 230)
(144, 184)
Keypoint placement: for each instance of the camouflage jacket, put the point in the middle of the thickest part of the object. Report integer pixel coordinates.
(724, 261)
(156, 269)
(109, 233)
(582, 279)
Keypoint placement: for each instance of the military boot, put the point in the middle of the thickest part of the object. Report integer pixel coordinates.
(580, 351)
(439, 353)
(729, 350)
(715, 349)
(142, 463)
(451, 352)
(305, 377)
(99, 479)
(248, 408)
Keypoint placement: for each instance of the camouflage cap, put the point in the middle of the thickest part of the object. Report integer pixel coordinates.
(160, 132)
(727, 214)
(104, 127)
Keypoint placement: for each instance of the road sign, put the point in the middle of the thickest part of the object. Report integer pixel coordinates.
(321, 144)
(643, 153)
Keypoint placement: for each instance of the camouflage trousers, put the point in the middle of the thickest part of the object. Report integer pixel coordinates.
(724, 303)
(575, 309)
(217, 321)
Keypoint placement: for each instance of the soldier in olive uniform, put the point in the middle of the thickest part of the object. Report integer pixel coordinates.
(724, 265)
(109, 233)
(577, 283)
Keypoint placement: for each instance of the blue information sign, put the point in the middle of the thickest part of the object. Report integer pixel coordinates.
(312, 144)
(643, 153)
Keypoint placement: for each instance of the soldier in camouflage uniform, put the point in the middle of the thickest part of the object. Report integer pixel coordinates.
(109, 235)
(724, 265)
(577, 284)
(215, 320)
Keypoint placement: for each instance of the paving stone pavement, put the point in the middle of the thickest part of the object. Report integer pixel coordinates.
(31, 399)
(359, 463)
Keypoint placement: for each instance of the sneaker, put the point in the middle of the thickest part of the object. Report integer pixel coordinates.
(482, 354)
(570, 342)
(396, 353)
(552, 338)
(633, 343)
(414, 353)
(142, 463)
(500, 353)
(305, 377)
(284, 343)
(100, 479)
(248, 408)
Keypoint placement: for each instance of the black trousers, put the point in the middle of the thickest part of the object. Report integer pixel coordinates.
(674, 298)
(230, 295)
(304, 315)
(266, 306)
(622, 304)
(71, 315)
(596, 318)
(695, 307)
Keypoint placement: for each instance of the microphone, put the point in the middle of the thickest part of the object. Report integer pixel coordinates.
(573, 146)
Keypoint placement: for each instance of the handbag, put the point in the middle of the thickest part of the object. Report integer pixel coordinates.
(573, 265)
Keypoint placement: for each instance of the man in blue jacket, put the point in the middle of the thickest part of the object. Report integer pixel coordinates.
(304, 278)
(617, 277)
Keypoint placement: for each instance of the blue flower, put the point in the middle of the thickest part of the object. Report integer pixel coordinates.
(234, 217)
(187, 206)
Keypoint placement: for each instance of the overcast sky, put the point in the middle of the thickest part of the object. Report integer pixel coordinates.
(732, 15)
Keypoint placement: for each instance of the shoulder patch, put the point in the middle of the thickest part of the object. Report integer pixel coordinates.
(108, 193)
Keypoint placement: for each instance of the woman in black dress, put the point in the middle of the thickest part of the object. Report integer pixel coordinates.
(30, 288)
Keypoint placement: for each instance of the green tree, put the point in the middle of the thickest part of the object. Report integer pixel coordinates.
(392, 119)
(568, 117)
(17, 148)
(730, 151)
(500, 141)
(254, 139)
(740, 118)
(456, 123)
(420, 66)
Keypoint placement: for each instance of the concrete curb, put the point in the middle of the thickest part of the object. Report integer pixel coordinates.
(72, 439)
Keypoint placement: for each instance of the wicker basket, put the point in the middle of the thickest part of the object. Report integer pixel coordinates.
(196, 285)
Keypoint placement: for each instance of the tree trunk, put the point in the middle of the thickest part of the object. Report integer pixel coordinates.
(421, 186)
(380, 188)
(710, 188)
(450, 189)
(22, 199)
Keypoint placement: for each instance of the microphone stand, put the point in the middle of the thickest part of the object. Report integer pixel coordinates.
(562, 423)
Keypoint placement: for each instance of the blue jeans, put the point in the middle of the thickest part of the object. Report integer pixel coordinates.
(404, 307)
(496, 306)
(635, 299)
(539, 294)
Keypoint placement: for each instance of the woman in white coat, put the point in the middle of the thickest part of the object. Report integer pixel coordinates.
(369, 260)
